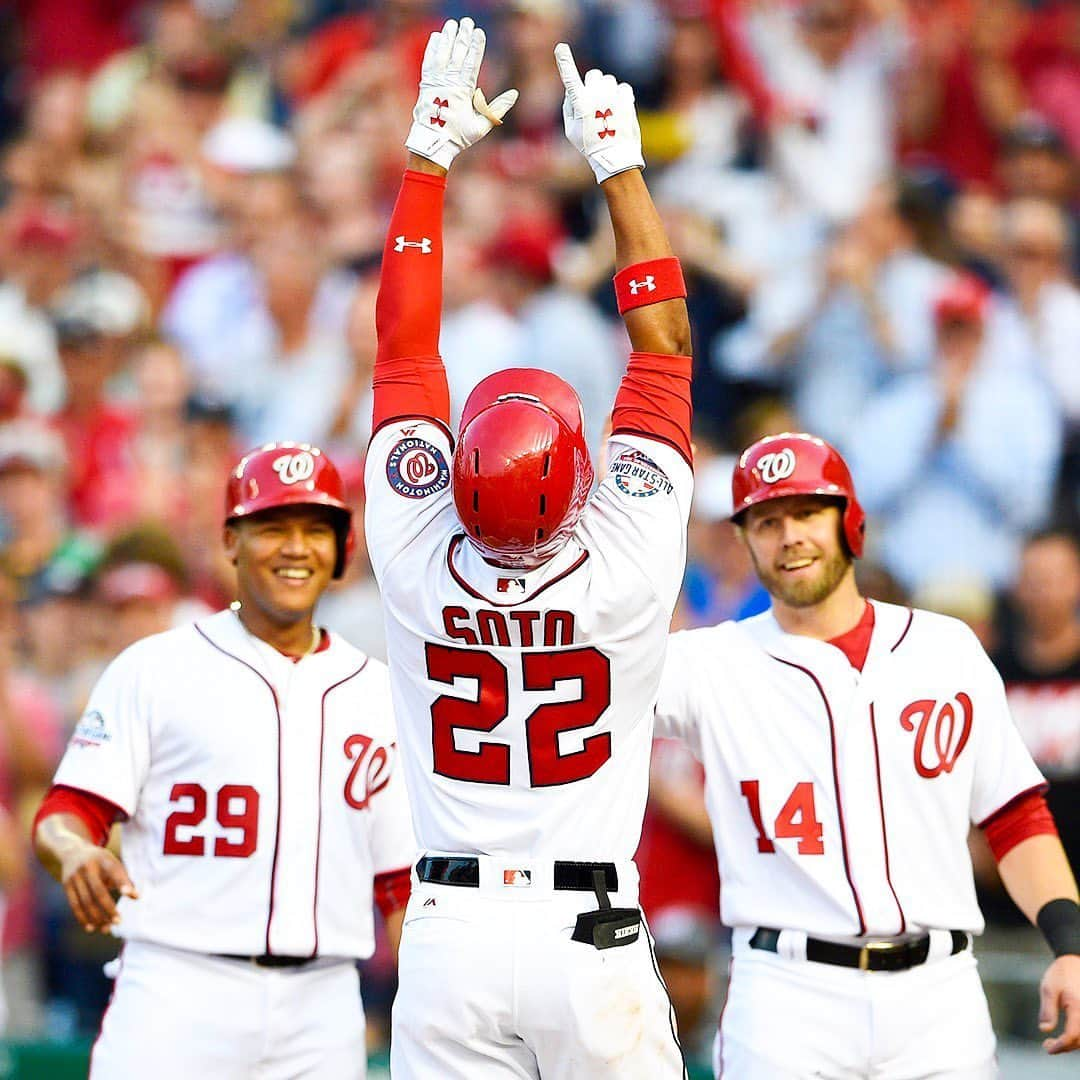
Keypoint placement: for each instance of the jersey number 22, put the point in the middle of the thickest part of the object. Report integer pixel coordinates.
(540, 671)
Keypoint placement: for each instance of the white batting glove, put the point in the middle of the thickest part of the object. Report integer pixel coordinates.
(451, 112)
(599, 118)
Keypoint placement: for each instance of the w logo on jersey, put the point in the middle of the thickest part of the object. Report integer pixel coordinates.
(941, 735)
(294, 468)
(360, 786)
(777, 466)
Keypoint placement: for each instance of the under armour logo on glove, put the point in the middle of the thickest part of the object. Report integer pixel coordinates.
(589, 109)
(440, 104)
(649, 284)
(423, 245)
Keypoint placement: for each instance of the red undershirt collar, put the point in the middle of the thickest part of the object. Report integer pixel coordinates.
(855, 644)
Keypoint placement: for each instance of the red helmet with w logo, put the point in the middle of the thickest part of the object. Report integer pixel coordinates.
(291, 474)
(522, 472)
(797, 464)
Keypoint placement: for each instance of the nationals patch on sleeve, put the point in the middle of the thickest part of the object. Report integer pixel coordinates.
(417, 469)
(636, 474)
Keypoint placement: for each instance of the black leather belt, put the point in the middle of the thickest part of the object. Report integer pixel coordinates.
(873, 956)
(267, 960)
(465, 871)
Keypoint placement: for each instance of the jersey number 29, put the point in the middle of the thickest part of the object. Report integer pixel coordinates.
(490, 763)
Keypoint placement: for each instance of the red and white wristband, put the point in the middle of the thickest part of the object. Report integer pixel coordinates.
(649, 282)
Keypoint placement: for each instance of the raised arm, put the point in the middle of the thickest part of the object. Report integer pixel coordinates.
(654, 396)
(450, 114)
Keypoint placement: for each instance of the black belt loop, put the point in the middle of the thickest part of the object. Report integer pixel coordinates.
(873, 956)
(269, 960)
(464, 871)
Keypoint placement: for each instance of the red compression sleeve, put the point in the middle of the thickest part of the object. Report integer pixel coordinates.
(392, 890)
(410, 380)
(96, 813)
(654, 400)
(1024, 817)
(739, 63)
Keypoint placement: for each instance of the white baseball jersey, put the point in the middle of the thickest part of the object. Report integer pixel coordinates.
(524, 699)
(841, 801)
(262, 795)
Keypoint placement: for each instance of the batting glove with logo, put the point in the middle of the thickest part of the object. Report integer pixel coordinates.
(599, 118)
(451, 112)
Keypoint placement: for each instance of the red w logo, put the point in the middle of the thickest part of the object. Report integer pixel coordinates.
(377, 774)
(937, 753)
(604, 117)
(440, 104)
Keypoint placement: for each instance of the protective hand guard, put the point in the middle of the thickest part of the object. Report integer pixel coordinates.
(450, 112)
(599, 118)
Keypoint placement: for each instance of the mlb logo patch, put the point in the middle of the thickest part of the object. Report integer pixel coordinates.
(517, 878)
(415, 468)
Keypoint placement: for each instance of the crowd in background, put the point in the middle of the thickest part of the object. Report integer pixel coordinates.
(876, 207)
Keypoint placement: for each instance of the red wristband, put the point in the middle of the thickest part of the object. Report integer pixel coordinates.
(649, 282)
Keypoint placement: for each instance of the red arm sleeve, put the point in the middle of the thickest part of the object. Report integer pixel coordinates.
(96, 813)
(740, 64)
(654, 400)
(392, 890)
(1025, 816)
(410, 380)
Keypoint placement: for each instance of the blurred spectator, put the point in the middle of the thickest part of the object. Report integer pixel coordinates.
(696, 117)
(1036, 163)
(874, 318)
(95, 319)
(1036, 260)
(1039, 659)
(959, 461)
(30, 742)
(36, 538)
(835, 60)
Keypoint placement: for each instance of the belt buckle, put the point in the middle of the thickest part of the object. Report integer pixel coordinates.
(517, 877)
(871, 947)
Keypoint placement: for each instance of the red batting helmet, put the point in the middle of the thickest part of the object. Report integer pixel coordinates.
(522, 472)
(291, 474)
(797, 464)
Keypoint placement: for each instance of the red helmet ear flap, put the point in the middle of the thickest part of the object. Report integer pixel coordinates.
(795, 463)
(291, 474)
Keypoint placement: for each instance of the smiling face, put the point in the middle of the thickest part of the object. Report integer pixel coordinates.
(284, 560)
(796, 548)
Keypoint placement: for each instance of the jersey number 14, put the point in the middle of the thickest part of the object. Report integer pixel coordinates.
(797, 819)
(540, 671)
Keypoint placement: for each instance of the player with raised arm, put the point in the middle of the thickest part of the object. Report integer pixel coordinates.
(251, 758)
(849, 746)
(526, 625)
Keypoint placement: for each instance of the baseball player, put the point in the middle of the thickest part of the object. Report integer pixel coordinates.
(526, 625)
(251, 759)
(848, 746)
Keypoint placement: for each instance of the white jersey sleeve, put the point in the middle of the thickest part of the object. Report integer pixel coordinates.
(108, 753)
(678, 713)
(407, 487)
(640, 511)
(1004, 767)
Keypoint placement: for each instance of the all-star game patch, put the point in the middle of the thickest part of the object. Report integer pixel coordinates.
(416, 469)
(90, 730)
(636, 474)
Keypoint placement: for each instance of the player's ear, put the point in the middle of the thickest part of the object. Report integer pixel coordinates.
(230, 541)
